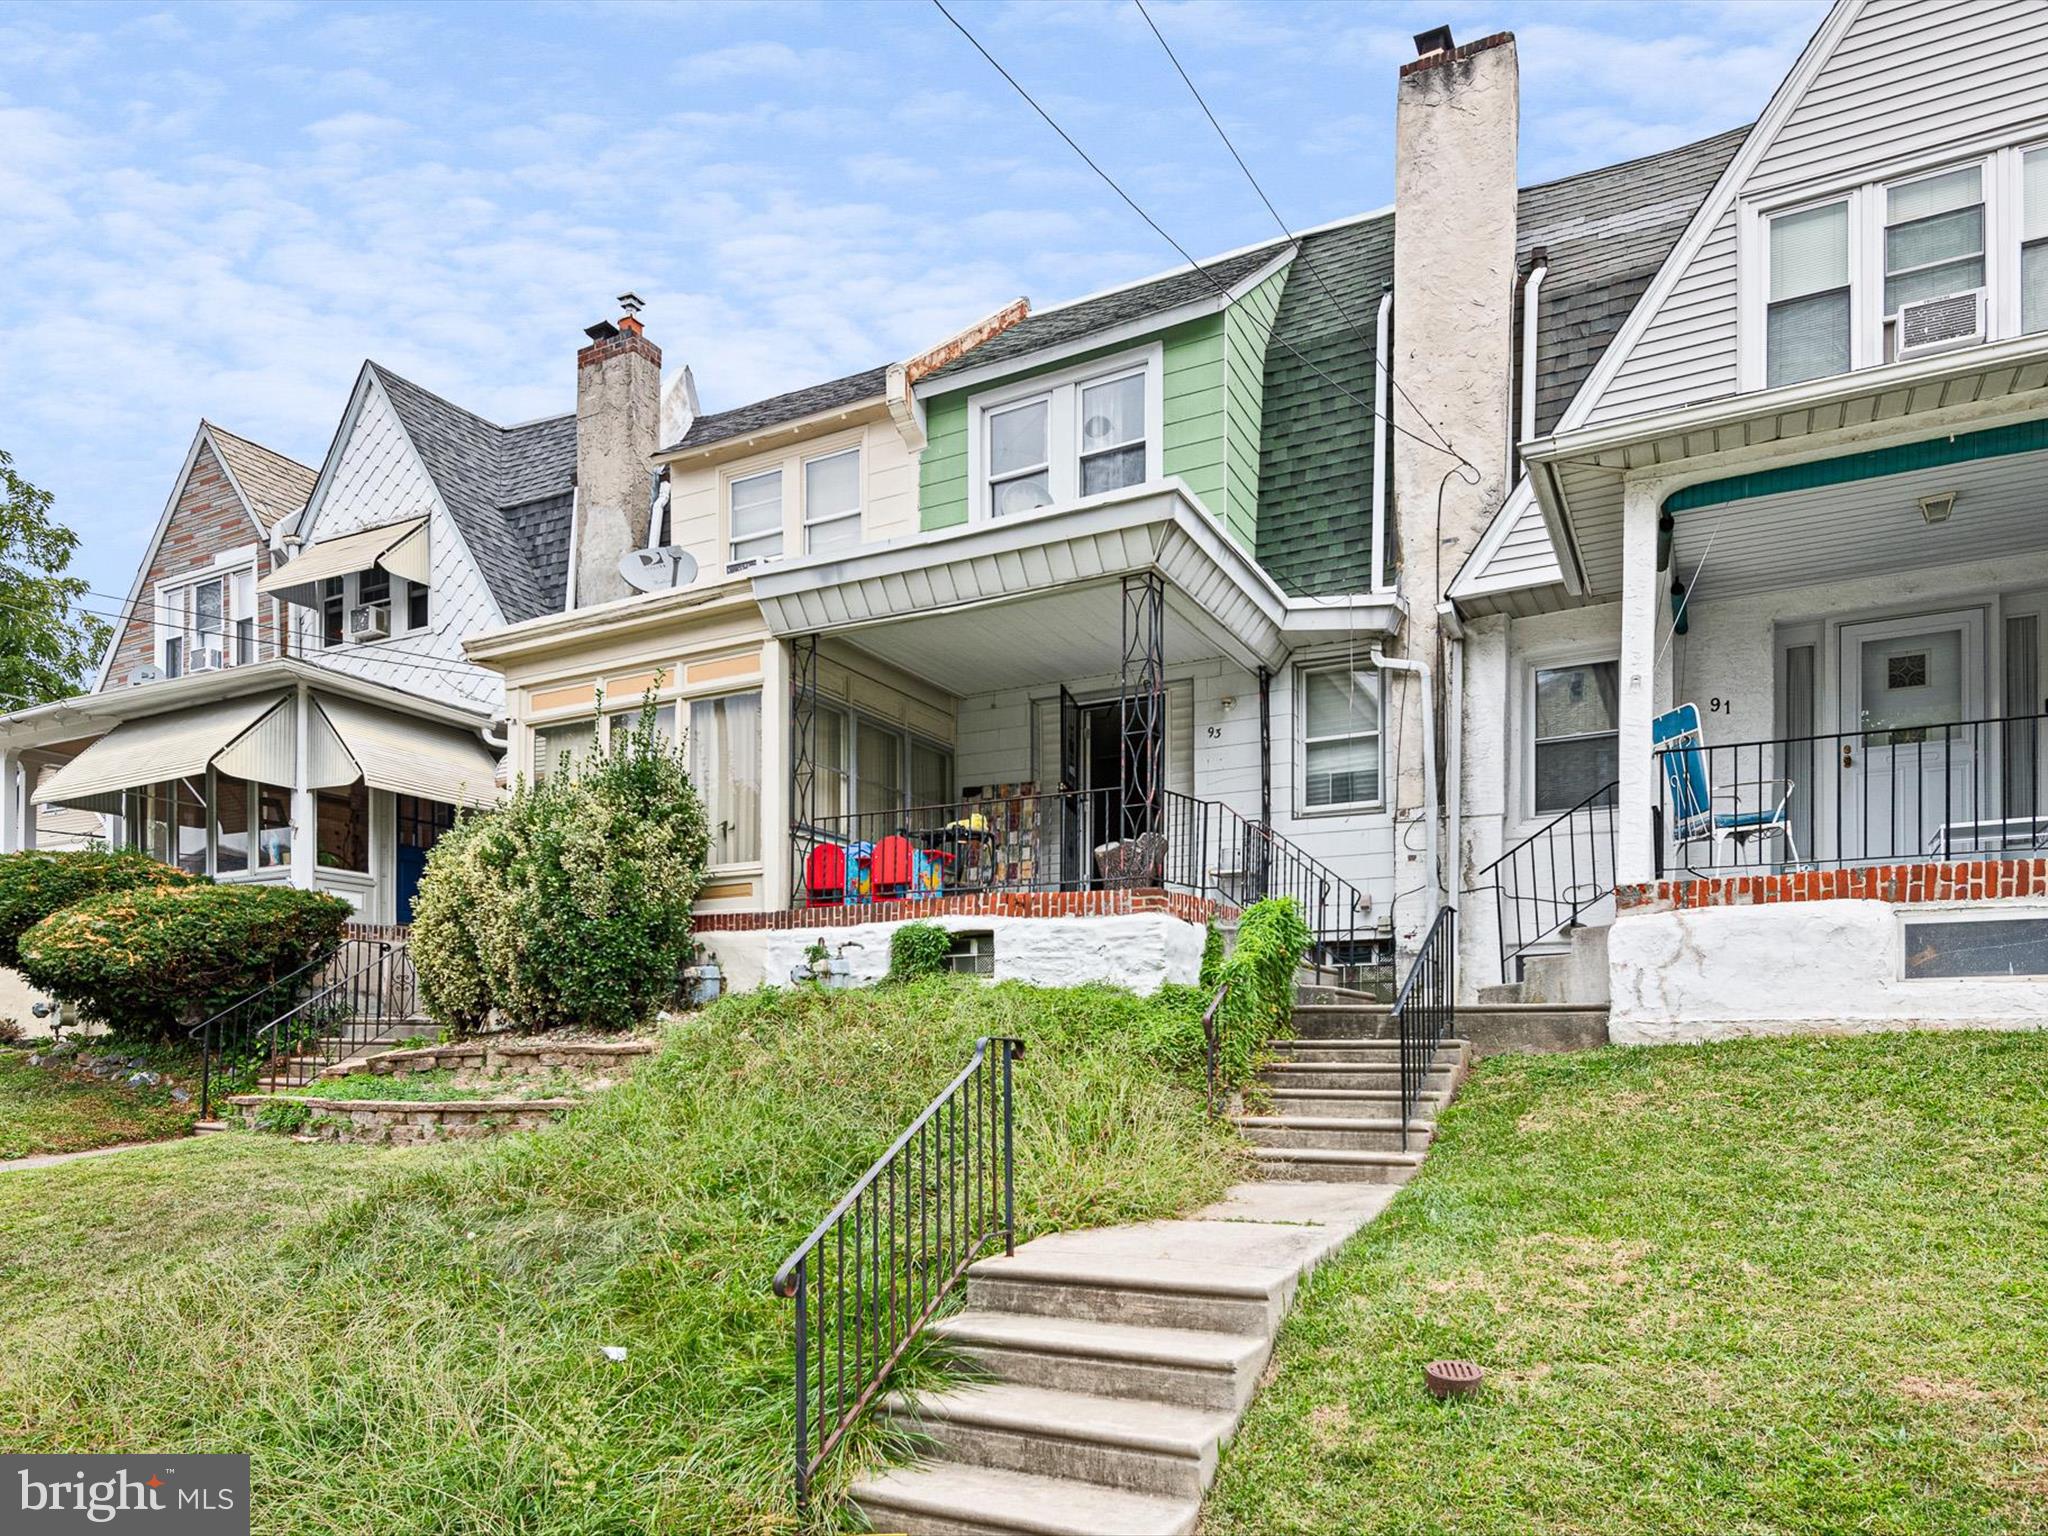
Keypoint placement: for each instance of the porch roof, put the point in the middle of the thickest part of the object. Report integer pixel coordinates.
(1035, 598)
(1579, 476)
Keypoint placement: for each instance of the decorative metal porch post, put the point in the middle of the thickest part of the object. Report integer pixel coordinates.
(803, 770)
(1141, 701)
(1265, 784)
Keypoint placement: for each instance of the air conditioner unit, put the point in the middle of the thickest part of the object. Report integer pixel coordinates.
(207, 659)
(734, 567)
(372, 621)
(144, 674)
(1935, 325)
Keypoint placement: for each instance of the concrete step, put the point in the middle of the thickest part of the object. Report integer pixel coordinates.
(1366, 1051)
(1155, 1448)
(1491, 1029)
(1329, 1165)
(1352, 1134)
(1350, 1103)
(1191, 1367)
(949, 1499)
(209, 1127)
(1358, 1075)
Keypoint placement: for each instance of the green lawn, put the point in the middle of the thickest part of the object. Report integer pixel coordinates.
(1755, 1287)
(52, 1110)
(410, 1340)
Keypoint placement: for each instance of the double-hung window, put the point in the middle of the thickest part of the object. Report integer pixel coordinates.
(1807, 320)
(195, 624)
(2034, 241)
(1576, 732)
(1092, 430)
(1113, 434)
(754, 507)
(832, 502)
(1933, 237)
(1020, 457)
(1340, 735)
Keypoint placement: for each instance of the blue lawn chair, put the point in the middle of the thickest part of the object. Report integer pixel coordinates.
(1688, 786)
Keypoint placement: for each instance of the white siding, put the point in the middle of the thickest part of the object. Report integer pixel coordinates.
(379, 479)
(1909, 79)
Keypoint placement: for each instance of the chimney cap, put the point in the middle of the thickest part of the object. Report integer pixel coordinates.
(632, 303)
(604, 330)
(1435, 40)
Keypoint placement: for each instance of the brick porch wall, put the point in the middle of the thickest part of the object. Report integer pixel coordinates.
(1189, 909)
(1898, 884)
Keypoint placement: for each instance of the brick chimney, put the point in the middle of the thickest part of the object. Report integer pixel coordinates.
(618, 421)
(1456, 119)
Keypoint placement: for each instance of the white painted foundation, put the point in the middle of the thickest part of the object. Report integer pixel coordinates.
(1142, 951)
(1810, 967)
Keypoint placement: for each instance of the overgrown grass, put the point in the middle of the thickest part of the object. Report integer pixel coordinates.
(425, 1353)
(1754, 1287)
(54, 1109)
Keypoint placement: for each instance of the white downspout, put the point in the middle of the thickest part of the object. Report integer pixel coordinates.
(1454, 767)
(1420, 669)
(305, 821)
(1382, 356)
(1525, 425)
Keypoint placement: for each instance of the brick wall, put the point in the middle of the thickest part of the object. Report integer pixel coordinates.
(1189, 909)
(1898, 884)
(208, 518)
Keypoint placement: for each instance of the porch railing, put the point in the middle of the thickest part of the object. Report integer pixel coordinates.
(880, 1265)
(1072, 841)
(1552, 877)
(1880, 795)
(1425, 1012)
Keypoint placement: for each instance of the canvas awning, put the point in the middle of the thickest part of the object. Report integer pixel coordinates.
(400, 548)
(182, 744)
(410, 757)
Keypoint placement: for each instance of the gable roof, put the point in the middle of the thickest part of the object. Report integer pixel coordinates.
(777, 409)
(272, 486)
(491, 479)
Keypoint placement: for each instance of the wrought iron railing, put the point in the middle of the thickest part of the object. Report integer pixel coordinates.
(878, 1268)
(1880, 795)
(1212, 1044)
(1552, 877)
(1426, 1010)
(1076, 841)
(313, 1017)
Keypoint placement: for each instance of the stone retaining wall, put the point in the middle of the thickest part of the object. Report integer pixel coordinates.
(399, 1122)
(595, 1063)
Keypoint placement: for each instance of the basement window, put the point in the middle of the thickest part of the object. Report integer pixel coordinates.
(972, 954)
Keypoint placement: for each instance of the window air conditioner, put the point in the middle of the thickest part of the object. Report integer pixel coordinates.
(1935, 325)
(734, 567)
(210, 658)
(372, 621)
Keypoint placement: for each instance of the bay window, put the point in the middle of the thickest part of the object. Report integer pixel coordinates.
(1807, 319)
(1340, 737)
(754, 516)
(832, 502)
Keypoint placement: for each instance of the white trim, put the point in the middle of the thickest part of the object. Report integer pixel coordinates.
(729, 482)
(1303, 667)
(805, 522)
(1474, 580)
(1554, 658)
(1062, 393)
(1791, 90)
(1287, 245)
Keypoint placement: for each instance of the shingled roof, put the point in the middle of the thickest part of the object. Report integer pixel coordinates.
(508, 489)
(777, 409)
(274, 486)
(1605, 233)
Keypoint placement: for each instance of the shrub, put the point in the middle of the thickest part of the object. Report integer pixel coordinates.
(1212, 956)
(152, 961)
(36, 883)
(569, 906)
(1272, 941)
(918, 950)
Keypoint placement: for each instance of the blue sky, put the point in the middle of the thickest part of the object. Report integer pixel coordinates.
(222, 210)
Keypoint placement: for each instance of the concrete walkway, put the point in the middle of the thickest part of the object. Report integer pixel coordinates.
(1122, 1359)
(51, 1159)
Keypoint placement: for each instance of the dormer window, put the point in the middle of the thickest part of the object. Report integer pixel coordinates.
(1113, 434)
(1082, 432)
(1808, 321)
(1020, 458)
(754, 505)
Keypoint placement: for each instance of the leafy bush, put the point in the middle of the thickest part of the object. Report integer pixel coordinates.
(569, 906)
(1272, 941)
(1212, 955)
(36, 883)
(918, 950)
(148, 962)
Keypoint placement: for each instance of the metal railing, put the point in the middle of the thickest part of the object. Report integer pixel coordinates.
(1880, 795)
(1071, 841)
(1426, 1010)
(1212, 1044)
(313, 1017)
(876, 1270)
(1552, 877)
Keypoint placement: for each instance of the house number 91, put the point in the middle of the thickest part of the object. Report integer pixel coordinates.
(1720, 706)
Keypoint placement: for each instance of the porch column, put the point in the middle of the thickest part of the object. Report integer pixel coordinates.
(305, 815)
(777, 739)
(10, 801)
(1634, 850)
(1141, 700)
(802, 757)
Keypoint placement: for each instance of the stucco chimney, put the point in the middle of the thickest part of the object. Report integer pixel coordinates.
(1456, 119)
(618, 422)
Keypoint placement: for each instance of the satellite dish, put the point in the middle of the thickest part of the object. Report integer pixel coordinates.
(658, 569)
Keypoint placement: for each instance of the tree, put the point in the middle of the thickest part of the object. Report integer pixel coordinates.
(48, 642)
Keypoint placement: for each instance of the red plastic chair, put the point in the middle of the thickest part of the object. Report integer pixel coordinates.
(825, 876)
(892, 868)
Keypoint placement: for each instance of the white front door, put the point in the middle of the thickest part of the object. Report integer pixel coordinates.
(1909, 754)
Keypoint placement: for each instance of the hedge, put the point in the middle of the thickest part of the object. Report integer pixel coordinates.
(918, 950)
(36, 883)
(150, 963)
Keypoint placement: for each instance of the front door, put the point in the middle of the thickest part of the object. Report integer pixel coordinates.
(420, 825)
(1909, 780)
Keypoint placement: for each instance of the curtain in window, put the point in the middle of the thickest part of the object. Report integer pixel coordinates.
(757, 516)
(880, 785)
(1112, 434)
(725, 763)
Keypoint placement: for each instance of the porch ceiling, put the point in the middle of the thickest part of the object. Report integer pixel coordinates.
(1863, 528)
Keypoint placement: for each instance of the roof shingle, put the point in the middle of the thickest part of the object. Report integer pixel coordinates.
(274, 486)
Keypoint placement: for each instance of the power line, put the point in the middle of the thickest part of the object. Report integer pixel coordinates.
(1154, 224)
(1371, 348)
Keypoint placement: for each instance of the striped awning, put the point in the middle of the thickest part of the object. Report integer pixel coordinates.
(400, 548)
(410, 757)
(183, 744)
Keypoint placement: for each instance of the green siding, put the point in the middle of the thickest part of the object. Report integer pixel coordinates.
(942, 468)
(1247, 331)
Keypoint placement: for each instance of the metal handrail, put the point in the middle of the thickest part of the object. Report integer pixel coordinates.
(212, 1030)
(939, 1181)
(1552, 848)
(1212, 1042)
(1426, 1009)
